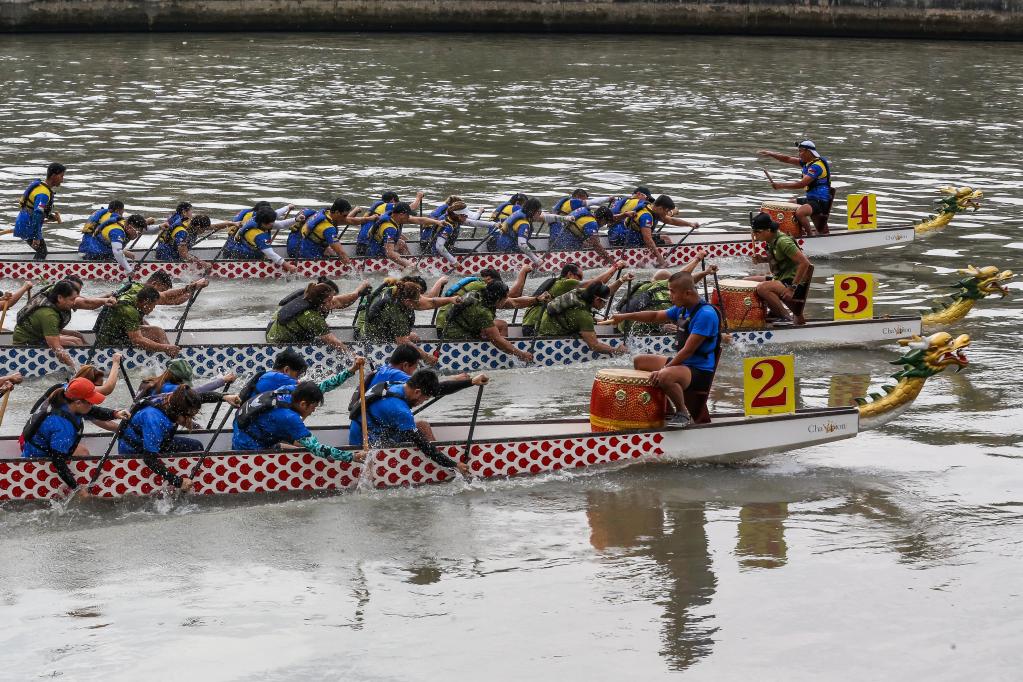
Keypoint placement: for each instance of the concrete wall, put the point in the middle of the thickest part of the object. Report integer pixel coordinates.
(969, 19)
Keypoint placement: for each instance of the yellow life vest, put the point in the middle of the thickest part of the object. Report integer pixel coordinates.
(28, 199)
(377, 233)
(89, 227)
(316, 233)
(168, 236)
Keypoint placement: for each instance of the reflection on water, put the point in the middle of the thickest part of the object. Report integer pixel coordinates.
(761, 537)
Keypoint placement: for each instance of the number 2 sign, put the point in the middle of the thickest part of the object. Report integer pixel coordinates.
(769, 385)
(854, 297)
(862, 211)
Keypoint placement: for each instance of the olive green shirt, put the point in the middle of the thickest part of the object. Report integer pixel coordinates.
(782, 248)
(571, 322)
(122, 319)
(305, 327)
(534, 314)
(391, 322)
(467, 325)
(41, 323)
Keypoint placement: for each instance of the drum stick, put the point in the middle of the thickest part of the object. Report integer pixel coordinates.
(3, 405)
(769, 178)
(3, 315)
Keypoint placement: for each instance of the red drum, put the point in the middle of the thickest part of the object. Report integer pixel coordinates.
(783, 213)
(624, 399)
(743, 308)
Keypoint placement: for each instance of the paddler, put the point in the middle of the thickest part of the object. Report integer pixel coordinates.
(42, 298)
(442, 209)
(252, 241)
(571, 314)
(55, 429)
(654, 295)
(570, 279)
(440, 241)
(474, 318)
(384, 238)
(816, 205)
(175, 243)
(303, 319)
(125, 324)
(288, 368)
(581, 228)
(104, 383)
(320, 232)
(505, 210)
(115, 209)
(275, 417)
(685, 377)
(151, 431)
(638, 230)
(390, 199)
(390, 316)
(178, 372)
(107, 241)
(43, 319)
(390, 421)
(512, 234)
(36, 207)
(576, 200)
(784, 291)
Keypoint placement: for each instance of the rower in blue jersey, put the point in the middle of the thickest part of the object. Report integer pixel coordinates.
(384, 238)
(581, 229)
(513, 234)
(271, 418)
(640, 219)
(440, 241)
(320, 233)
(294, 234)
(288, 368)
(566, 205)
(107, 242)
(815, 207)
(439, 212)
(36, 207)
(252, 241)
(115, 209)
(54, 429)
(504, 211)
(389, 417)
(389, 199)
(686, 375)
(175, 243)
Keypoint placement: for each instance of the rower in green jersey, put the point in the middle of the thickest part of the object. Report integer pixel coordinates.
(571, 314)
(302, 316)
(785, 290)
(475, 318)
(571, 278)
(126, 324)
(654, 295)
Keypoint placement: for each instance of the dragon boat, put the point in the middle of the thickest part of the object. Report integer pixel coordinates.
(492, 449)
(212, 351)
(978, 284)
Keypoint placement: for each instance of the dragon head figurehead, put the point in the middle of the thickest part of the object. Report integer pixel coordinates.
(982, 282)
(930, 355)
(960, 198)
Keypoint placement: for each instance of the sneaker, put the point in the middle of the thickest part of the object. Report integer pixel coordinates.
(679, 421)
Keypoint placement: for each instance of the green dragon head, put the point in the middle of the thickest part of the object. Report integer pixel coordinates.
(959, 199)
(983, 282)
(931, 355)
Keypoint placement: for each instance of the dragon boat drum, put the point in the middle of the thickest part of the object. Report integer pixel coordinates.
(783, 213)
(624, 399)
(743, 308)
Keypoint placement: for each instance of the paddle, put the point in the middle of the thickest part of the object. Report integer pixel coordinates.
(180, 326)
(3, 405)
(680, 242)
(472, 424)
(127, 381)
(217, 408)
(209, 445)
(3, 315)
(106, 455)
(769, 178)
(721, 303)
(362, 407)
(703, 266)
(611, 298)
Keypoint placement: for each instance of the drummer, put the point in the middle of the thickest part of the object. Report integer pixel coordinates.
(784, 291)
(687, 376)
(817, 181)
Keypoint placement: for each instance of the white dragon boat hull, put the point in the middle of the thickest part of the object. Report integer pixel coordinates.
(245, 350)
(498, 450)
(720, 244)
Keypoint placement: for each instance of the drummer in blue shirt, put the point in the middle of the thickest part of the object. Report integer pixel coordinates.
(685, 377)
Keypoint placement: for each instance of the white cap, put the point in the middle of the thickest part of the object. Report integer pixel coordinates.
(809, 145)
(462, 211)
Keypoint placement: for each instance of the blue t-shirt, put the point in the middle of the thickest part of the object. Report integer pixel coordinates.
(388, 373)
(820, 188)
(392, 413)
(705, 323)
(272, 380)
(279, 425)
(57, 432)
(153, 425)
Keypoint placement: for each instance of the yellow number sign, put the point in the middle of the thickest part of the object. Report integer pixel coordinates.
(854, 297)
(769, 385)
(862, 211)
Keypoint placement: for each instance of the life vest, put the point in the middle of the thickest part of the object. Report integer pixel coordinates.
(563, 206)
(249, 389)
(683, 333)
(296, 227)
(38, 301)
(102, 233)
(132, 434)
(261, 404)
(433, 232)
(28, 197)
(510, 227)
(647, 296)
(557, 308)
(774, 258)
(822, 181)
(641, 207)
(376, 233)
(374, 394)
(386, 299)
(168, 235)
(503, 212)
(534, 313)
(578, 220)
(315, 227)
(241, 217)
(456, 311)
(126, 293)
(97, 219)
(381, 207)
(35, 422)
(248, 232)
(291, 308)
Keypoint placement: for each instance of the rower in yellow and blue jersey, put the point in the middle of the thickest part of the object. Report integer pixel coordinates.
(513, 233)
(175, 243)
(440, 241)
(384, 239)
(253, 240)
(388, 200)
(504, 211)
(101, 215)
(581, 229)
(107, 241)
(816, 205)
(576, 200)
(637, 229)
(320, 232)
(36, 207)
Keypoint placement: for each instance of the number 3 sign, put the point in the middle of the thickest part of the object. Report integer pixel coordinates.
(854, 297)
(861, 210)
(769, 385)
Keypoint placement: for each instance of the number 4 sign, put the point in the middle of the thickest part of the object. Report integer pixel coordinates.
(854, 297)
(862, 211)
(769, 385)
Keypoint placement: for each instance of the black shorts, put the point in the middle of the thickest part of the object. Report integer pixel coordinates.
(701, 378)
(819, 206)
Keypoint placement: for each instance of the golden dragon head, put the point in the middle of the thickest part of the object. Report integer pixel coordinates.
(930, 355)
(965, 197)
(986, 281)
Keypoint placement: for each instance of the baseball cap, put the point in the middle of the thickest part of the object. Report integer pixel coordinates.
(83, 389)
(809, 145)
(401, 208)
(643, 190)
(180, 370)
(763, 221)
